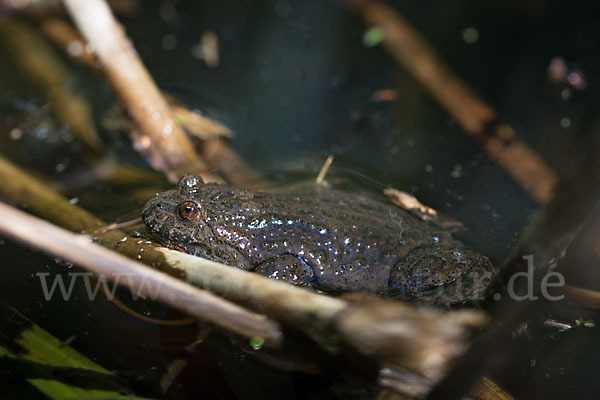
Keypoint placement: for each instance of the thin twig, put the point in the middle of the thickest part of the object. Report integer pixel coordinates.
(225, 161)
(409, 202)
(487, 389)
(122, 225)
(197, 125)
(581, 297)
(323, 171)
(37, 7)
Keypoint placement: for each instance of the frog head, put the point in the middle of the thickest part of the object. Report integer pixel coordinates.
(177, 218)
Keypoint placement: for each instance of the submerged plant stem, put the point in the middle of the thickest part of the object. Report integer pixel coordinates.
(39, 64)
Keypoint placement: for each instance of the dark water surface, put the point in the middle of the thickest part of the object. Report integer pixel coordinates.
(296, 83)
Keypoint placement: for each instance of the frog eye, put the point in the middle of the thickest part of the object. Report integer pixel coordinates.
(190, 184)
(189, 210)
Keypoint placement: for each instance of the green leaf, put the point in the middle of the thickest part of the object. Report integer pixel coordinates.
(56, 370)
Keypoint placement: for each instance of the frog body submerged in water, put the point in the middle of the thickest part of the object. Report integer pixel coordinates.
(333, 241)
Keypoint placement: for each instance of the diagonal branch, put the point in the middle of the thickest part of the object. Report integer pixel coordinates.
(161, 140)
(145, 281)
(476, 117)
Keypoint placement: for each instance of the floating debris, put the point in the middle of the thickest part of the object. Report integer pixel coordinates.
(257, 342)
(561, 326)
(470, 35)
(382, 95)
(587, 323)
(373, 36)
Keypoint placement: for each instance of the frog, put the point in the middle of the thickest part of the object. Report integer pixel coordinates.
(324, 239)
